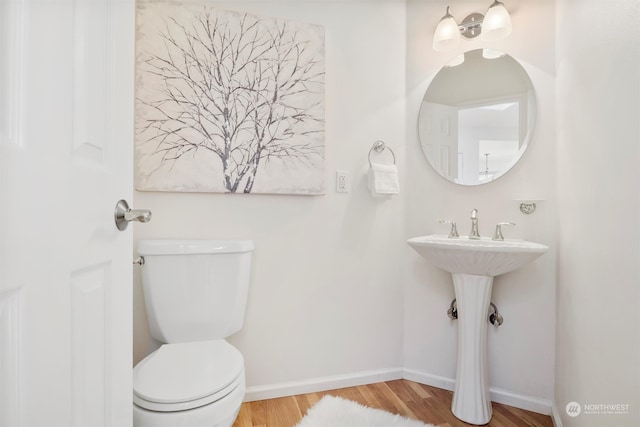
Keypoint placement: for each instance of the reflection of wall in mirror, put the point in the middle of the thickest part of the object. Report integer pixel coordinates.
(478, 80)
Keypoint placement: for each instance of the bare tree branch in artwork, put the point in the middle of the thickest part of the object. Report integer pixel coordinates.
(238, 89)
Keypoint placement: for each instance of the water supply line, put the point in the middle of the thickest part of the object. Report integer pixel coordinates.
(495, 318)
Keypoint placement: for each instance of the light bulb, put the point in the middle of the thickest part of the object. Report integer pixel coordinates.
(447, 34)
(497, 23)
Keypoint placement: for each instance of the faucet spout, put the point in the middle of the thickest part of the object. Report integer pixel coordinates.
(474, 234)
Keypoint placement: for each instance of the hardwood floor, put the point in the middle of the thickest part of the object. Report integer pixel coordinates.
(428, 404)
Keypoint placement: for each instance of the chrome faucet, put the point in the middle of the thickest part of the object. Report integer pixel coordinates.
(497, 235)
(474, 225)
(453, 234)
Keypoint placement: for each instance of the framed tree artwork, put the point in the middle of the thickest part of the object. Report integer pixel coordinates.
(227, 102)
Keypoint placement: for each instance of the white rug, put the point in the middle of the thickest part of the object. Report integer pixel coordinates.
(333, 411)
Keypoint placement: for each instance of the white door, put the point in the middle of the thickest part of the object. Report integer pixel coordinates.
(66, 129)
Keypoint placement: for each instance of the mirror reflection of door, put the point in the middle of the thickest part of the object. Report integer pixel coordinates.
(440, 124)
(489, 139)
(477, 117)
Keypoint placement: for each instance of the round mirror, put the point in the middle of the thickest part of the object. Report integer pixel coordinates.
(477, 117)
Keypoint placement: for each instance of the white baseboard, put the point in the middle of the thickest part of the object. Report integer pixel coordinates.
(313, 385)
(428, 379)
(555, 416)
(273, 391)
(529, 403)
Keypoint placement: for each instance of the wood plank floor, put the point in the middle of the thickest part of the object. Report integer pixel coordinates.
(428, 404)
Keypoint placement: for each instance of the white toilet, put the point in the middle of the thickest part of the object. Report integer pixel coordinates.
(195, 293)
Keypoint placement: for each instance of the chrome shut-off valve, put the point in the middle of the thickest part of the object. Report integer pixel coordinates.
(495, 318)
(453, 310)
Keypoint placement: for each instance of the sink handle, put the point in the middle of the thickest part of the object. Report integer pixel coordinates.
(498, 233)
(453, 233)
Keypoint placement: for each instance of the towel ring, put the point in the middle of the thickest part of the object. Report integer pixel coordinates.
(379, 146)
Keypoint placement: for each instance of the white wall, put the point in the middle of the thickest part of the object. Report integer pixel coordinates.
(335, 290)
(326, 291)
(598, 333)
(521, 351)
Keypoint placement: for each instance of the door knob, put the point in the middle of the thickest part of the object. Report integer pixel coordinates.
(123, 215)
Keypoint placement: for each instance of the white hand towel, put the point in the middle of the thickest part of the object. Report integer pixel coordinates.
(383, 179)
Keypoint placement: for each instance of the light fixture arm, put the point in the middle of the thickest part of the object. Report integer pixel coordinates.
(447, 14)
(471, 26)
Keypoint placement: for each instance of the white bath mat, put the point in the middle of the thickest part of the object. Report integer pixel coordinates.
(333, 411)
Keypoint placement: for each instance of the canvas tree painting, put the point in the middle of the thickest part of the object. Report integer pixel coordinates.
(228, 102)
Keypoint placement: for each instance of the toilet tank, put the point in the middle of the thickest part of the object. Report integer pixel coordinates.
(195, 290)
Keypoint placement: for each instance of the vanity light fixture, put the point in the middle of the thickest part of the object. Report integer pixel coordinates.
(447, 35)
(497, 23)
(494, 25)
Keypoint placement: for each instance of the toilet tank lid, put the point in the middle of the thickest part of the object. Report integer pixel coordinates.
(179, 247)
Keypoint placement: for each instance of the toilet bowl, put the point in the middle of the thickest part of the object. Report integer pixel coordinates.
(195, 294)
(199, 384)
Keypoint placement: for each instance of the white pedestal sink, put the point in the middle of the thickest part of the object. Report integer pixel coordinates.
(473, 265)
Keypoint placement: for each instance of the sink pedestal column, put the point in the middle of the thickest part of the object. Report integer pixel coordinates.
(471, 400)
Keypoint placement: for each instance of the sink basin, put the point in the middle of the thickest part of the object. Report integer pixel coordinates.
(483, 257)
(473, 264)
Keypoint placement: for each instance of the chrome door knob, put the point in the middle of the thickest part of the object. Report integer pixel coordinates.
(123, 215)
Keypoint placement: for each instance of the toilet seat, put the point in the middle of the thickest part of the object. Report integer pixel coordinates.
(177, 377)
